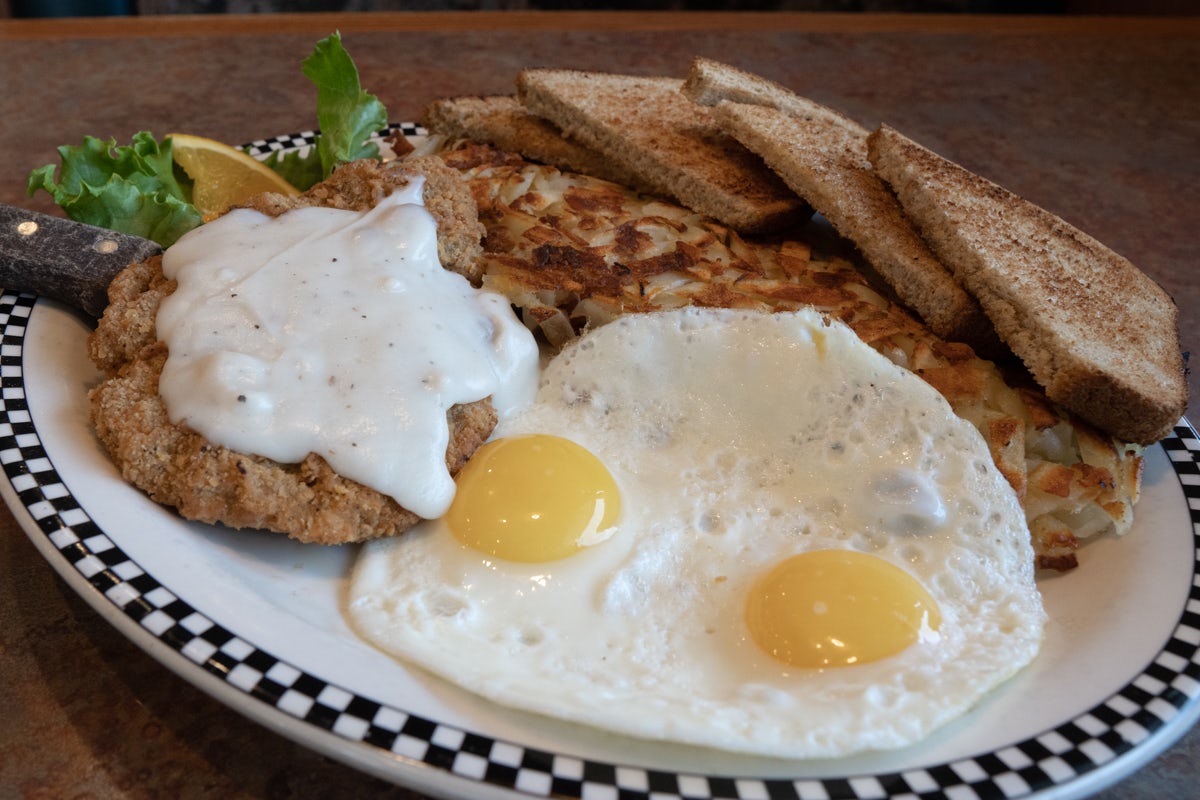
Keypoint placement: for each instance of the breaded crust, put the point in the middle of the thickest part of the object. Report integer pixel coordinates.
(359, 185)
(1094, 331)
(648, 127)
(308, 501)
(178, 467)
(501, 121)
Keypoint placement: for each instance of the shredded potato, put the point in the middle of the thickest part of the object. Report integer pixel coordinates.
(572, 252)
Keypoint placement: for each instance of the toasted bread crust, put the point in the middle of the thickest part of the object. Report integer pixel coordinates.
(825, 162)
(821, 155)
(1097, 333)
(502, 122)
(648, 127)
(709, 82)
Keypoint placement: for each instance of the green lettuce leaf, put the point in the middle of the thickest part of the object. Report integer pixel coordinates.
(133, 189)
(347, 117)
(137, 189)
(301, 171)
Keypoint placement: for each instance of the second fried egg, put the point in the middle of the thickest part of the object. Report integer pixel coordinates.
(733, 529)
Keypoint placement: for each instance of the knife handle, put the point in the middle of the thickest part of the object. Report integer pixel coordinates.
(69, 261)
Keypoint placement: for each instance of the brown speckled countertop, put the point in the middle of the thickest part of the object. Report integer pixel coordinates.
(1097, 120)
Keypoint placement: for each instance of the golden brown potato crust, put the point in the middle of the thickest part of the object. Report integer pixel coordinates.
(209, 483)
(574, 252)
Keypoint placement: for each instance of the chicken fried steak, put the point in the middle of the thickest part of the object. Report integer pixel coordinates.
(178, 467)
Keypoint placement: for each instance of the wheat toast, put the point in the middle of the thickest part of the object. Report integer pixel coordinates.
(647, 126)
(821, 154)
(827, 165)
(501, 121)
(1096, 332)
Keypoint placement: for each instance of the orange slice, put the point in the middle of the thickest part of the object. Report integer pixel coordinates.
(223, 176)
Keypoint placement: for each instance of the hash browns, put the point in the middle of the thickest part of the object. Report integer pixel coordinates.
(573, 252)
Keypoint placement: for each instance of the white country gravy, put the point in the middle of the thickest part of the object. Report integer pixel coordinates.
(338, 333)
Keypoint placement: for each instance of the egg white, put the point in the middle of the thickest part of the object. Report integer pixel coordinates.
(737, 439)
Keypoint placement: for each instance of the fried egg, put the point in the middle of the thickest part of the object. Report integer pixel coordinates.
(720, 528)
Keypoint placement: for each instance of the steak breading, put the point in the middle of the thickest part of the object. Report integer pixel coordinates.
(573, 252)
(360, 185)
(209, 483)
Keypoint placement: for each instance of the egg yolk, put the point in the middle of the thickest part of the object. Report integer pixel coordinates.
(831, 608)
(532, 498)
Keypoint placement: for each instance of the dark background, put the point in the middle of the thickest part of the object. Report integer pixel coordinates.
(51, 8)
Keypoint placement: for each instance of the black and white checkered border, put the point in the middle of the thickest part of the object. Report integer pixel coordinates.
(1056, 757)
(1123, 722)
(261, 148)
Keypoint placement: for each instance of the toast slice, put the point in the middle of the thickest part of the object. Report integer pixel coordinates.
(709, 82)
(648, 127)
(502, 122)
(825, 162)
(1096, 332)
(821, 155)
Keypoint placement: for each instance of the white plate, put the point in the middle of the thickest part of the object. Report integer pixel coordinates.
(254, 619)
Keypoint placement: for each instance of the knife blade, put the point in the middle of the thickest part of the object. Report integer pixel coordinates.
(59, 258)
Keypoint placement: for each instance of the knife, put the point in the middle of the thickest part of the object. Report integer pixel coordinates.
(65, 260)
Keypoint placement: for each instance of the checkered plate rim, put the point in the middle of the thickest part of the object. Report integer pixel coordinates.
(1168, 687)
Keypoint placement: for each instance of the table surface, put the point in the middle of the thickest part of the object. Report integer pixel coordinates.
(1096, 119)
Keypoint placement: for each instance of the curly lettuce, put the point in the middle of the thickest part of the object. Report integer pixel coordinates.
(137, 188)
(131, 188)
(347, 117)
